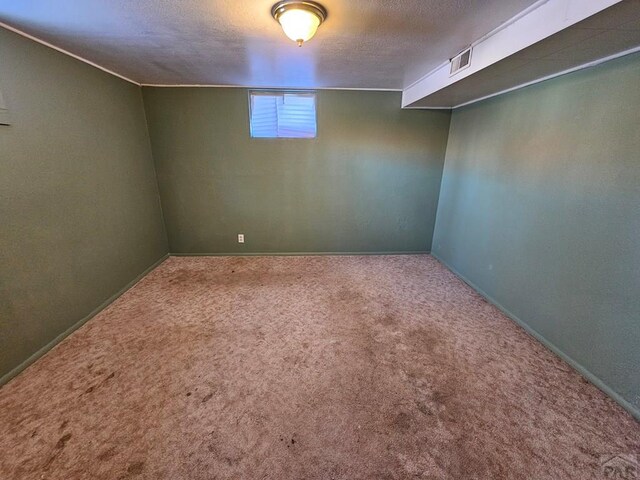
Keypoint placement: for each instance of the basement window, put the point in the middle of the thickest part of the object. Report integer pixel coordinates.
(282, 114)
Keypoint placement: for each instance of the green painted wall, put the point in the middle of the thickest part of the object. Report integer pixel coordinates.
(539, 202)
(79, 208)
(368, 183)
(540, 210)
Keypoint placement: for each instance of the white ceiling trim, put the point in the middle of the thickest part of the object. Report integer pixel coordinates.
(428, 108)
(256, 87)
(493, 32)
(66, 52)
(533, 82)
(559, 74)
(571, 9)
(116, 74)
(542, 19)
(365, 44)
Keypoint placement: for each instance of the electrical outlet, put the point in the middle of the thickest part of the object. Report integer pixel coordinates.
(241, 238)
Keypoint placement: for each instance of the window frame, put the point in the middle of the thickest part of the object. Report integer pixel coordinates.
(275, 91)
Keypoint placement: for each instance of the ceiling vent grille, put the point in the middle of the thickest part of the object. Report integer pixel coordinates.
(460, 61)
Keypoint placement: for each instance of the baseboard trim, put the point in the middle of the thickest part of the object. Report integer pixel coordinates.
(635, 412)
(294, 254)
(42, 351)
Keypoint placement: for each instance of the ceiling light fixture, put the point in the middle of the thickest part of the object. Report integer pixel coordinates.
(299, 20)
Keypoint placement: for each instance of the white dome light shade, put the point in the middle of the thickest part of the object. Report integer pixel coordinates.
(299, 20)
(299, 25)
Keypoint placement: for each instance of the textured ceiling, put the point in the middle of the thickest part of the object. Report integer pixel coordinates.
(363, 44)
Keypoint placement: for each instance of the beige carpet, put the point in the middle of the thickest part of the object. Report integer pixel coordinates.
(305, 368)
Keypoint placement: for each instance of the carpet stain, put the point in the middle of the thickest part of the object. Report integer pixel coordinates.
(62, 442)
(135, 468)
(93, 387)
(282, 368)
(59, 447)
(207, 397)
(403, 421)
(107, 454)
(387, 320)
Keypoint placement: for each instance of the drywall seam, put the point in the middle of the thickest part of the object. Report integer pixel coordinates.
(66, 52)
(42, 351)
(295, 254)
(635, 412)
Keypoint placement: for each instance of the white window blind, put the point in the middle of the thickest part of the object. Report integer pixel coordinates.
(283, 115)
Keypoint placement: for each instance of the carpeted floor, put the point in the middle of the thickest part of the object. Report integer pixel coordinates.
(298, 368)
